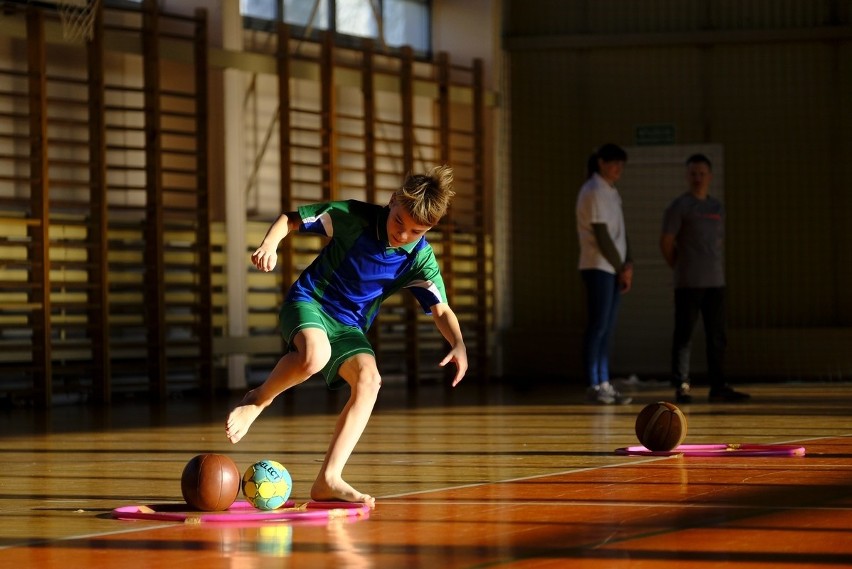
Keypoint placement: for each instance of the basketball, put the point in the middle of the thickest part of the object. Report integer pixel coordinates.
(661, 426)
(210, 482)
(267, 484)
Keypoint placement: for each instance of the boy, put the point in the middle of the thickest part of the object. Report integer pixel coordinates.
(373, 252)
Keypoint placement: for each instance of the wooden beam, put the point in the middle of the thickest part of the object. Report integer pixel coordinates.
(204, 241)
(98, 226)
(327, 111)
(285, 159)
(39, 274)
(406, 83)
(482, 207)
(155, 311)
(445, 156)
(368, 94)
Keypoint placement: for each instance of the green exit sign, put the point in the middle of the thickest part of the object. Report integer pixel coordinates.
(655, 134)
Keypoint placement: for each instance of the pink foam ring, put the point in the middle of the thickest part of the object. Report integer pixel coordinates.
(719, 450)
(242, 512)
(334, 505)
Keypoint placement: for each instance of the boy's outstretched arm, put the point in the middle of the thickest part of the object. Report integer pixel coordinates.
(448, 324)
(266, 255)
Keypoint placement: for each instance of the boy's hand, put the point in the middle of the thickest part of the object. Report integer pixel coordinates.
(266, 255)
(458, 355)
(264, 258)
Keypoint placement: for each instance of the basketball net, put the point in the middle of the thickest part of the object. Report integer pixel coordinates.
(78, 19)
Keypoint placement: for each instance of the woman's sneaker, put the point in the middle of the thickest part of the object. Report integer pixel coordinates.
(682, 394)
(597, 395)
(613, 393)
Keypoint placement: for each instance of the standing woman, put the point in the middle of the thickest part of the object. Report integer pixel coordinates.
(605, 266)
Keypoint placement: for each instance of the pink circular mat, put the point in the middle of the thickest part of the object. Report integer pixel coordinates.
(243, 512)
(729, 449)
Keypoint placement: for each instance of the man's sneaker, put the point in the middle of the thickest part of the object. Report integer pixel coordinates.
(682, 394)
(597, 395)
(617, 397)
(727, 394)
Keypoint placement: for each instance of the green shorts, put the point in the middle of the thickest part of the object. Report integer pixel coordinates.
(346, 341)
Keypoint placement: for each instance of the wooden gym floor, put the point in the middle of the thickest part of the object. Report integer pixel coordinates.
(469, 478)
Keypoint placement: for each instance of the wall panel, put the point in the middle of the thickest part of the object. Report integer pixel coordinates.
(768, 82)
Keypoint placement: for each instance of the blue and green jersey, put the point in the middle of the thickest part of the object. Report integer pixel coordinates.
(357, 270)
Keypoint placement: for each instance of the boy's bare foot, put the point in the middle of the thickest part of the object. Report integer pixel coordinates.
(339, 491)
(241, 417)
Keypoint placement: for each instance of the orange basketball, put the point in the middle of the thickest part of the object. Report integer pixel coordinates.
(210, 482)
(661, 426)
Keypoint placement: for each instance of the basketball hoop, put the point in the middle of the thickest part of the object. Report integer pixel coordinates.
(78, 19)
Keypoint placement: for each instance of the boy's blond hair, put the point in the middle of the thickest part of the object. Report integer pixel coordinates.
(427, 196)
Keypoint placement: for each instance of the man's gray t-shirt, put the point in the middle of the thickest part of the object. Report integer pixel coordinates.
(699, 230)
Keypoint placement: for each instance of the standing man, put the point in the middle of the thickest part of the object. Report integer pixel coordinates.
(693, 244)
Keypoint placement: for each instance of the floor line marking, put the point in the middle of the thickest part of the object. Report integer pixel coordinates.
(533, 477)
